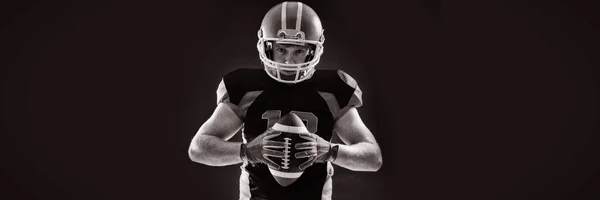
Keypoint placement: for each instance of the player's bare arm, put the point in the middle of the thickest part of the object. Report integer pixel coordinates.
(360, 151)
(210, 145)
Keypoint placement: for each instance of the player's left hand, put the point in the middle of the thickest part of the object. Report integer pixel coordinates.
(317, 149)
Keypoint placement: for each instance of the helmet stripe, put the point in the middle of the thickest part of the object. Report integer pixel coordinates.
(283, 15)
(299, 16)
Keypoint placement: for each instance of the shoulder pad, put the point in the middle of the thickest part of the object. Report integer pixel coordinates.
(239, 88)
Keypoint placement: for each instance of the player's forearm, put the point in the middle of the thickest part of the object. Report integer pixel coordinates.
(361, 156)
(213, 151)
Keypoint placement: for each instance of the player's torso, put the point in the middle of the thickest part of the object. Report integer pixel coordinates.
(260, 101)
(276, 100)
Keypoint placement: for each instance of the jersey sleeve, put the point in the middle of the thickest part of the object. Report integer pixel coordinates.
(223, 96)
(236, 91)
(353, 95)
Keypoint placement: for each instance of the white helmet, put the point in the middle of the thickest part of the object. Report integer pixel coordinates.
(291, 23)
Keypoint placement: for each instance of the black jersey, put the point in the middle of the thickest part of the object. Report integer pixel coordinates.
(260, 101)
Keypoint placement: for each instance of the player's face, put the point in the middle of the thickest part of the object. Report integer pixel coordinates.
(289, 54)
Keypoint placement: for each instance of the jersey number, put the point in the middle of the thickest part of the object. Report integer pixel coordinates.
(310, 120)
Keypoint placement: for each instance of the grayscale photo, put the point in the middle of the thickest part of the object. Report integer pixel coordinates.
(299, 100)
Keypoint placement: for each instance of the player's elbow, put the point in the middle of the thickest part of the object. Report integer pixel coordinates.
(195, 155)
(202, 157)
(376, 163)
(198, 155)
(372, 164)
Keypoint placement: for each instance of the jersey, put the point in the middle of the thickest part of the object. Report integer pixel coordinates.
(259, 101)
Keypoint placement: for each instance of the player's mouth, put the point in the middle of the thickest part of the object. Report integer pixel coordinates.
(288, 73)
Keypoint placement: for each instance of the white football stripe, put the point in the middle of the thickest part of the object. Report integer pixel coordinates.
(289, 129)
(285, 174)
(283, 15)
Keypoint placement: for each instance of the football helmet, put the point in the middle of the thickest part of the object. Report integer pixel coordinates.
(290, 23)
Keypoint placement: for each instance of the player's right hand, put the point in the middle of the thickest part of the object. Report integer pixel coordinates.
(261, 148)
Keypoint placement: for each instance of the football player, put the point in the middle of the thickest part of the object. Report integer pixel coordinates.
(290, 44)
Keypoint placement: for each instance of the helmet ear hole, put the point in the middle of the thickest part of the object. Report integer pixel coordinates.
(311, 52)
(269, 49)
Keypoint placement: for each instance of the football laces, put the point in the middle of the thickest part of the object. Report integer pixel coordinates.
(285, 162)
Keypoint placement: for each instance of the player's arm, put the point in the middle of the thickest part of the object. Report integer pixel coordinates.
(360, 151)
(210, 146)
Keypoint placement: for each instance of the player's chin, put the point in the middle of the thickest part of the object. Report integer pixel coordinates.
(288, 76)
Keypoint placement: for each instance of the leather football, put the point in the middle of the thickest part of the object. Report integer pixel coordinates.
(290, 126)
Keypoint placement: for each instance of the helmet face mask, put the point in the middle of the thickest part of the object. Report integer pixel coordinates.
(307, 31)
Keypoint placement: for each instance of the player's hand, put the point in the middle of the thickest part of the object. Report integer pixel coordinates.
(317, 150)
(260, 149)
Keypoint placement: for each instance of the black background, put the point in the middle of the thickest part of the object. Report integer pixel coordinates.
(468, 100)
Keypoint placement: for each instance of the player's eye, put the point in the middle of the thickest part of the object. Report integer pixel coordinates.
(281, 50)
(300, 51)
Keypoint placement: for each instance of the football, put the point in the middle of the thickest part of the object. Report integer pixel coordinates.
(290, 126)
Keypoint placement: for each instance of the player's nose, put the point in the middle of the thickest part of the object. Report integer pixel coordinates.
(289, 59)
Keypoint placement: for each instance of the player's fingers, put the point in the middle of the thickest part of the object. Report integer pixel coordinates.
(304, 134)
(307, 163)
(273, 144)
(270, 163)
(305, 145)
(273, 153)
(271, 135)
(305, 154)
(301, 154)
(307, 137)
